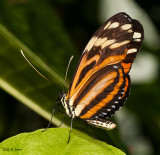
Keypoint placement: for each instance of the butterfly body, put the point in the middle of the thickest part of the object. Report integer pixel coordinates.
(101, 82)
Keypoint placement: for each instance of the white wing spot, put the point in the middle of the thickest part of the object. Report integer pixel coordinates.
(91, 43)
(137, 40)
(116, 45)
(100, 41)
(126, 26)
(130, 31)
(119, 97)
(136, 35)
(107, 42)
(104, 113)
(116, 102)
(115, 66)
(107, 25)
(113, 25)
(132, 50)
(113, 106)
(108, 109)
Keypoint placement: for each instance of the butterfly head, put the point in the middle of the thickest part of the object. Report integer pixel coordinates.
(60, 98)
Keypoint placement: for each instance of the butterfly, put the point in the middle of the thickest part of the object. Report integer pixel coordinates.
(101, 82)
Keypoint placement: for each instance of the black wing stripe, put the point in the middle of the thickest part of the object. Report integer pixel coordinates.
(115, 103)
(93, 52)
(108, 91)
(92, 82)
(99, 97)
(85, 71)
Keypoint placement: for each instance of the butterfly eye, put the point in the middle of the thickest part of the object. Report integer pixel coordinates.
(60, 95)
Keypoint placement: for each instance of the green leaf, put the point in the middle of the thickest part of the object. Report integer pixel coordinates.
(54, 141)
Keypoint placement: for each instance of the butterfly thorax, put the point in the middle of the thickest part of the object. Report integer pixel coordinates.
(69, 109)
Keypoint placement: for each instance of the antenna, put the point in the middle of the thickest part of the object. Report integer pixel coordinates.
(67, 71)
(33, 66)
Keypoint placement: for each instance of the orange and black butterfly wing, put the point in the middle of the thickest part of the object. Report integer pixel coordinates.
(101, 82)
(102, 95)
(103, 49)
(109, 100)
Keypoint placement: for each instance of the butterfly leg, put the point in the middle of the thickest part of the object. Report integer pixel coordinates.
(51, 118)
(70, 129)
(62, 120)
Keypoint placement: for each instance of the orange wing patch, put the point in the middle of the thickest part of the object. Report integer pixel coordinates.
(126, 66)
(104, 102)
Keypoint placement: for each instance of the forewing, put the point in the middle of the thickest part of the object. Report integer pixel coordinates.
(108, 45)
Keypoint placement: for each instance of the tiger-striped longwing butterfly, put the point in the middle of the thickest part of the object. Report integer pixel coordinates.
(101, 82)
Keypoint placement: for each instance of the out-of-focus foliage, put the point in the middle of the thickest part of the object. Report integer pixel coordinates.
(49, 32)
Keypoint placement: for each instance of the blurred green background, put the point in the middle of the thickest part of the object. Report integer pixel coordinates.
(49, 32)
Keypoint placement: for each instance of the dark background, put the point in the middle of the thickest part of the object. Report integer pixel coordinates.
(79, 20)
